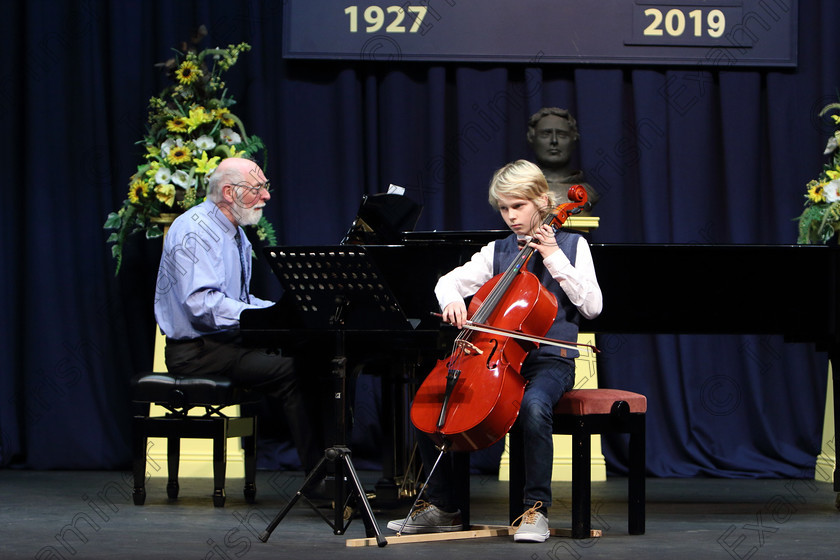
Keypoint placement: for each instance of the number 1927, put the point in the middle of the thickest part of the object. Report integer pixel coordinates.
(394, 16)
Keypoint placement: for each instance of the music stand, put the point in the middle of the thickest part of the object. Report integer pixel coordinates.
(335, 289)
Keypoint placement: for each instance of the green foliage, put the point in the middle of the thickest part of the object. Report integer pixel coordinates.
(821, 217)
(190, 130)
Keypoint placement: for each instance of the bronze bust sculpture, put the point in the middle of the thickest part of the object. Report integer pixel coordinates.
(552, 135)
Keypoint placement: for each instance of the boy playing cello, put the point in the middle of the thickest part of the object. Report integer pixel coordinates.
(563, 264)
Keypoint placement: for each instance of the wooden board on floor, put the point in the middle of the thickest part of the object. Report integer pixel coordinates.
(474, 532)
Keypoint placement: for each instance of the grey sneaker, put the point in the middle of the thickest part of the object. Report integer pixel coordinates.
(427, 518)
(534, 527)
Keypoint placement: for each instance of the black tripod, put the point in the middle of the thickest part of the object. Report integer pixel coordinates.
(339, 455)
(336, 290)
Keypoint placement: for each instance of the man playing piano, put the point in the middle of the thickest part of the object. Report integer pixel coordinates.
(203, 286)
(563, 263)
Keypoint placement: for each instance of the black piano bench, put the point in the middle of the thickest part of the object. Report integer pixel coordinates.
(178, 395)
(582, 413)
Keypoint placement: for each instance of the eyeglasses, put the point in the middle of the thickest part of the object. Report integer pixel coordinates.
(253, 189)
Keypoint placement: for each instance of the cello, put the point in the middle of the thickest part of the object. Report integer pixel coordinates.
(471, 399)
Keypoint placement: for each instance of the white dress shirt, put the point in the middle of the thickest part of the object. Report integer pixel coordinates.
(578, 281)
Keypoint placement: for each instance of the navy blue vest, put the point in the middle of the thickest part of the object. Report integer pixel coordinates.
(565, 326)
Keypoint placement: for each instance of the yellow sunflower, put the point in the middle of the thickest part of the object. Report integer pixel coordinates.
(178, 124)
(138, 190)
(178, 154)
(816, 192)
(223, 115)
(188, 72)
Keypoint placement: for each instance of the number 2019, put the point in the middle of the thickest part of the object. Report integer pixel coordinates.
(675, 22)
(375, 18)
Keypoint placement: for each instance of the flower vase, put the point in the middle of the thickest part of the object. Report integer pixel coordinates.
(164, 220)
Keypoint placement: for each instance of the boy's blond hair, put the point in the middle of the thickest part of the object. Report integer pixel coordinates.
(520, 179)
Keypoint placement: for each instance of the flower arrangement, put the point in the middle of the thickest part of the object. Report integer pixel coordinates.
(821, 218)
(190, 130)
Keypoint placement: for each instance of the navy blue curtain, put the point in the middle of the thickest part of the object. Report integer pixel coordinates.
(683, 155)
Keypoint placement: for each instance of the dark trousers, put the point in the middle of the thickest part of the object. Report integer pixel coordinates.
(261, 370)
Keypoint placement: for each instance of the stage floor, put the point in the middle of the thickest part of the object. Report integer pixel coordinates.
(90, 515)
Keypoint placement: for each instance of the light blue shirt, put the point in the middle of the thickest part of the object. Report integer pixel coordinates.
(200, 275)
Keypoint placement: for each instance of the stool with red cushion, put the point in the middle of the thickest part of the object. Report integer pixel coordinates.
(582, 413)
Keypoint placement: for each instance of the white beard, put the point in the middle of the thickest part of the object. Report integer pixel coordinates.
(247, 216)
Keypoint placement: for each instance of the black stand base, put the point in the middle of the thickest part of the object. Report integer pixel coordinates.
(341, 457)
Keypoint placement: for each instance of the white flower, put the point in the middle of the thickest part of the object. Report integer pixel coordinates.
(181, 178)
(832, 191)
(163, 176)
(205, 143)
(167, 145)
(229, 136)
(831, 145)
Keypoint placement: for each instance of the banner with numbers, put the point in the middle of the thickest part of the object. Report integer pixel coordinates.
(722, 33)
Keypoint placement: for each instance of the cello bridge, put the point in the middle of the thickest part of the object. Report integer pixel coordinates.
(468, 347)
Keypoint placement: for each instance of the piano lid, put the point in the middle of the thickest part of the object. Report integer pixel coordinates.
(689, 289)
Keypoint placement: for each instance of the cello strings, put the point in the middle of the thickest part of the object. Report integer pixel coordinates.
(487, 307)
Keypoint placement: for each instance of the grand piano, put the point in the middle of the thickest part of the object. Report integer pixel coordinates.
(695, 297)
(723, 289)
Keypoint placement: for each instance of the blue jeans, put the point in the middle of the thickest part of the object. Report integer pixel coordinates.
(549, 377)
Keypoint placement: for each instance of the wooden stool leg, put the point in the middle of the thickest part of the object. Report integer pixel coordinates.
(173, 458)
(249, 445)
(219, 465)
(636, 478)
(461, 469)
(138, 443)
(581, 481)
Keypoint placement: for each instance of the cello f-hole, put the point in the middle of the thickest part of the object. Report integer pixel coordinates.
(492, 353)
